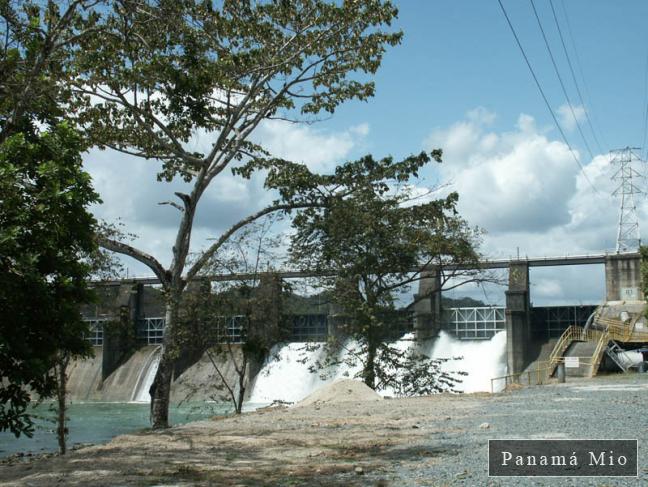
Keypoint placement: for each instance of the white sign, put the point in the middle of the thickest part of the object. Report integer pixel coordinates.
(630, 293)
(572, 362)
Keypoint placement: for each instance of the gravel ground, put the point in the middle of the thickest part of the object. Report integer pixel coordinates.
(431, 441)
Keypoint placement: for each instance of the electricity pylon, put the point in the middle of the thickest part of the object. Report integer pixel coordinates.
(628, 237)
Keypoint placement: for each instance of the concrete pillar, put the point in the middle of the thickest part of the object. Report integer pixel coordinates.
(336, 321)
(623, 277)
(518, 324)
(119, 337)
(265, 311)
(338, 316)
(265, 317)
(427, 306)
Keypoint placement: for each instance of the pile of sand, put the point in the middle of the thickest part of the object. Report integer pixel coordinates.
(344, 390)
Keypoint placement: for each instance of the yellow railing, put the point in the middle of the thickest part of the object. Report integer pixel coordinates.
(623, 332)
(598, 352)
(538, 376)
(574, 334)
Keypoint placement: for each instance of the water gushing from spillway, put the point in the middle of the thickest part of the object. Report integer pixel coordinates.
(481, 359)
(146, 377)
(285, 375)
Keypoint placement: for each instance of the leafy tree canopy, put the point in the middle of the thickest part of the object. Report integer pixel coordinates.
(375, 241)
(45, 232)
(47, 242)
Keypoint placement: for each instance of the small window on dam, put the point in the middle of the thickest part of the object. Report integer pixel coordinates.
(95, 334)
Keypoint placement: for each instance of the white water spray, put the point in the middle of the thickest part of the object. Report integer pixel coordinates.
(146, 377)
(482, 359)
(285, 375)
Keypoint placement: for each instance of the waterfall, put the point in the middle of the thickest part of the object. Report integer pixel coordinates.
(482, 359)
(146, 377)
(285, 375)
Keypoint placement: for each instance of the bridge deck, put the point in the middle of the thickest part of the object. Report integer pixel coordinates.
(484, 264)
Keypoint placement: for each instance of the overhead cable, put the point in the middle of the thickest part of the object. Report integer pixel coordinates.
(544, 97)
(579, 65)
(643, 149)
(562, 84)
(573, 75)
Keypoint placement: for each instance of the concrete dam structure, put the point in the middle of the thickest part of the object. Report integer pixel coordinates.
(125, 361)
(131, 380)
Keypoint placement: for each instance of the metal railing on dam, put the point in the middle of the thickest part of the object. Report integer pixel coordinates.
(550, 261)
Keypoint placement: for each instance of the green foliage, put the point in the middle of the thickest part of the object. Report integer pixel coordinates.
(464, 302)
(223, 68)
(45, 233)
(39, 41)
(376, 240)
(643, 251)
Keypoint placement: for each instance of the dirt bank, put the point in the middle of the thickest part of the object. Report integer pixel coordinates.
(437, 440)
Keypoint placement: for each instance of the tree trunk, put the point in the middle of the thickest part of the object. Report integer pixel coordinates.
(61, 393)
(241, 391)
(160, 390)
(369, 372)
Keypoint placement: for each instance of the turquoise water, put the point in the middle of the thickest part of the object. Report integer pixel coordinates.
(93, 422)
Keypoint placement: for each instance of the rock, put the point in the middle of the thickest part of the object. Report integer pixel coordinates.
(359, 471)
(461, 475)
(484, 426)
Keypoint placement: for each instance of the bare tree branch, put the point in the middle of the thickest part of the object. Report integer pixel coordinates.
(143, 257)
(204, 258)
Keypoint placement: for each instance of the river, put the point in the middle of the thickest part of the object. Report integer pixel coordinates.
(98, 422)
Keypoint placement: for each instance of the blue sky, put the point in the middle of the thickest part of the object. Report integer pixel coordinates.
(458, 81)
(458, 55)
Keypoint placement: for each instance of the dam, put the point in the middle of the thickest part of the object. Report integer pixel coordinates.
(493, 340)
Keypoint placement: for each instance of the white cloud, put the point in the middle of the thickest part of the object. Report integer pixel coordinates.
(526, 191)
(513, 181)
(320, 150)
(569, 117)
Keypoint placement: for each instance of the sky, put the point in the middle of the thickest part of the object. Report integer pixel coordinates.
(459, 82)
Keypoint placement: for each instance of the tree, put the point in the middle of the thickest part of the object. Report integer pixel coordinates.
(220, 69)
(45, 233)
(235, 321)
(373, 243)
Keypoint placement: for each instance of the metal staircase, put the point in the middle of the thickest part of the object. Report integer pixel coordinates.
(597, 357)
(605, 345)
(604, 332)
(600, 337)
(613, 350)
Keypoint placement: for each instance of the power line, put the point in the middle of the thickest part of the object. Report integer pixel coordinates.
(645, 102)
(571, 69)
(544, 97)
(579, 65)
(562, 84)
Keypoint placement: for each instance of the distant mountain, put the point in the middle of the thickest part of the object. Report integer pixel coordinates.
(464, 302)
